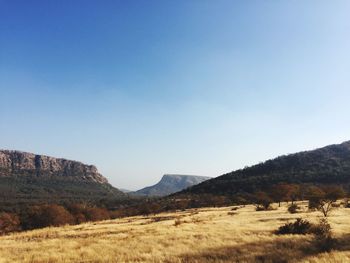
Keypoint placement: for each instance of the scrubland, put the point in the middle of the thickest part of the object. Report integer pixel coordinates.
(198, 235)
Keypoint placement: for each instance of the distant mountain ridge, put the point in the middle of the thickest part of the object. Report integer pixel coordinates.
(327, 165)
(171, 183)
(30, 178)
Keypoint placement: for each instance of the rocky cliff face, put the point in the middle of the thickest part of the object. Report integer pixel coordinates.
(18, 164)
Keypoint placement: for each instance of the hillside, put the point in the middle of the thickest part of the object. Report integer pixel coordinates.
(30, 178)
(191, 236)
(171, 183)
(327, 165)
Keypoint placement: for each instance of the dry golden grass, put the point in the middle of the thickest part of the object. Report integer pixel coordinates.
(203, 235)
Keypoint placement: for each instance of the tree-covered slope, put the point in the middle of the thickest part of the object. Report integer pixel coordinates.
(328, 165)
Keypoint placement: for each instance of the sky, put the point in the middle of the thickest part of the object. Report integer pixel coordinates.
(143, 88)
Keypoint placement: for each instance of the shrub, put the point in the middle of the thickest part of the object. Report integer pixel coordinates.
(83, 213)
(323, 236)
(262, 201)
(300, 227)
(323, 240)
(9, 223)
(47, 215)
(96, 214)
(293, 208)
(177, 222)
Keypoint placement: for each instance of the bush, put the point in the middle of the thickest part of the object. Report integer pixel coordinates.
(47, 215)
(260, 208)
(323, 240)
(262, 201)
(83, 213)
(323, 236)
(300, 227)
(96, 214)
(346, 203)
(9, 223)
(293, 208)
(177, 222)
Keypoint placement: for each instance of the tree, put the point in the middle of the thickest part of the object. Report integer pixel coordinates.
(323, 199)
(281, 192)
(292, 192)
(47, 215)
(9, 223)
(314, 195)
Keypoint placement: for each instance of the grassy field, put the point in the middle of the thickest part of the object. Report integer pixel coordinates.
(203, 235)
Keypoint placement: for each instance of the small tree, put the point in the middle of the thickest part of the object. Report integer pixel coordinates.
(262, 201)
(278, 193)
(314, 195)
(292, 192)
(323, 199)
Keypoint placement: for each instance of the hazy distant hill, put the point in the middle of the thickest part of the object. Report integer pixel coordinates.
(171, 183)
(328, 165)
(124, 190)
(31, 178)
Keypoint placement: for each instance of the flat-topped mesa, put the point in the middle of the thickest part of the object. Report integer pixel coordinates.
(171, 183)
(16, 163)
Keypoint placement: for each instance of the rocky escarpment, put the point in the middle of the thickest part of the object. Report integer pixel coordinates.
(16, 163)
(28, 179)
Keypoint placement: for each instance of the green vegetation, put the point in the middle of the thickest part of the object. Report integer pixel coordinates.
(18, 192)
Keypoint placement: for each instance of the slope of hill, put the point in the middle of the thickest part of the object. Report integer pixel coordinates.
(29, 178)
(171, 183)
(328, 165)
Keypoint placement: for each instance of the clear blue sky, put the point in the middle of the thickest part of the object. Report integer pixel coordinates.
(143, 88)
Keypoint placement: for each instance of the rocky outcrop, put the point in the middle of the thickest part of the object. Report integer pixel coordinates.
(171, 183)
(19, 164)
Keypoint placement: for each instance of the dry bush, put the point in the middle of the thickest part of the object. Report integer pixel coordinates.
(96, 214)
(323, 240)
(177, 222)
(300, 227)
(9, 223)
(47, 215)
(262, 201)
(323, 236)
(293, 208)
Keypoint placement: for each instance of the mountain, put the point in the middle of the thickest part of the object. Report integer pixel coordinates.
(171, 183)
(27, 178)
(324, 166)
(125, 190)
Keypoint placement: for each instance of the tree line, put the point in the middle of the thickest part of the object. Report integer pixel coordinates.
(320, 197)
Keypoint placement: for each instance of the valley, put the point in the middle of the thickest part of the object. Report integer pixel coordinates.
(227, 234)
